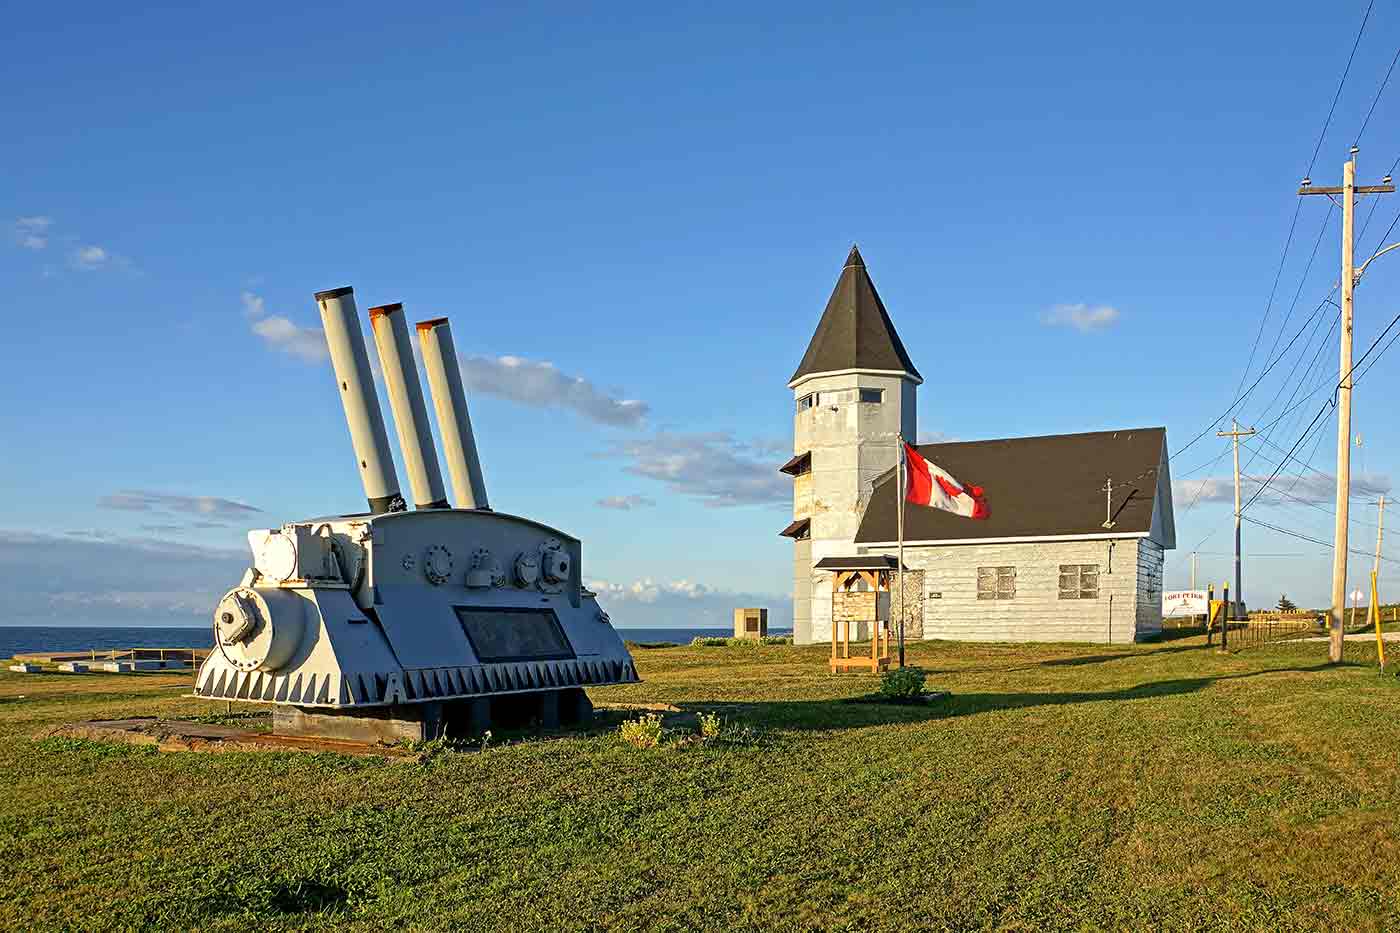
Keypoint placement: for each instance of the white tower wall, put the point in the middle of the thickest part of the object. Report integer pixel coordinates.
(851, 442)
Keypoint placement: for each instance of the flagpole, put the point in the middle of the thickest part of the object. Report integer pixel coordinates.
(899, 522)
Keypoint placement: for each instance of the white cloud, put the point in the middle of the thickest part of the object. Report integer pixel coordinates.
(1082, 317)
(626, 503)
(253, 305)
(1314, 488)
(97, 578)
(33, 232)
(212, 508)
(37, 232)
(649, 591)
(712, 467)
(280, 333)
(542, 385)
(307, 343)
(649, 603)
(90, 258)
(514, 378)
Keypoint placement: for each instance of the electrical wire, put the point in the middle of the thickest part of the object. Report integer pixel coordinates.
(1292, 228)
(1340, 84)
(1330, 403)
(1375, 100)
(1309, 538)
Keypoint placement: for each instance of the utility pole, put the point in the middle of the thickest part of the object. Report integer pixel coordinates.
(1375, 590)
(1380, 530)
(1235, 433)
(1348, 190)
(1193, 571)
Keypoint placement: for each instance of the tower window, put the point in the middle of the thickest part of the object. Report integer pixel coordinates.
(806, 402)
(872, 395)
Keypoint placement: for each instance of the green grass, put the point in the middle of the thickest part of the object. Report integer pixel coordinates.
(1066, 787)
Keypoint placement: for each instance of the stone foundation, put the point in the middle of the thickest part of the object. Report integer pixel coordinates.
(419, 722)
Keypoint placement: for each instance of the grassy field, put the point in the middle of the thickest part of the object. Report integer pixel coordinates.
(1060, 787)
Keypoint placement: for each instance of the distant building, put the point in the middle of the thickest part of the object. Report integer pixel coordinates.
(751, 623)
(1058, 560)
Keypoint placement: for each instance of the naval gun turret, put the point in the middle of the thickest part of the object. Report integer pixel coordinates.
(410, 623)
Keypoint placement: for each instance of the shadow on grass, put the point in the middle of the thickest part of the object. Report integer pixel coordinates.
(1124, 656)
(1076, 661)
(843, 713)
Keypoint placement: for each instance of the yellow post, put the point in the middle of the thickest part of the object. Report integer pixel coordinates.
(1376, 615)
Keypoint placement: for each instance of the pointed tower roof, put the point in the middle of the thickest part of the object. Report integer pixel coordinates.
(855, 331)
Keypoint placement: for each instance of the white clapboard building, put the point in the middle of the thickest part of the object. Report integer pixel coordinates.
(1060, 559)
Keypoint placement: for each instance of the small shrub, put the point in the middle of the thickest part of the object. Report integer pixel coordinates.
(704, 641)
(903, 683)
(710, 726)
(737, 733)
(642, 733)
(716, 731)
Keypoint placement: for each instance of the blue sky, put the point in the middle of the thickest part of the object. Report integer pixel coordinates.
(647, 205)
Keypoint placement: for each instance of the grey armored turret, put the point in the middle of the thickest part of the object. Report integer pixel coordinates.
(404, 623)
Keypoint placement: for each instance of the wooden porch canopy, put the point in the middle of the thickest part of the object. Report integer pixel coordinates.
(802, 463)
(875, 570)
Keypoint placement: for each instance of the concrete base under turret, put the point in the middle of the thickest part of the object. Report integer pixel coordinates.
(453, 719)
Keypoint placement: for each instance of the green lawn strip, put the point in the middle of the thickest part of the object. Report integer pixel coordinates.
(1059, 787)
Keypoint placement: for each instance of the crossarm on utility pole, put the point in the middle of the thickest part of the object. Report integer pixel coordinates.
(1349, 190)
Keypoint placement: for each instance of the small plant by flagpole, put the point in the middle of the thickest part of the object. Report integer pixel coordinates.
(899, 571)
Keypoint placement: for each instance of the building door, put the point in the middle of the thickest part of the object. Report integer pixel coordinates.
(914, 610)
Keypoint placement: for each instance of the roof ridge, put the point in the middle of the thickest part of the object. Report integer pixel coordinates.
(1041, 437)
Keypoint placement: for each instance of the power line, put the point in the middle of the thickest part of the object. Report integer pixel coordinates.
(1313, 505)
(1309, 538)
(1262, 375)
(1311, 426)
(1340, 84)
(1384, 81)
(1268, 307)
(1288, 243)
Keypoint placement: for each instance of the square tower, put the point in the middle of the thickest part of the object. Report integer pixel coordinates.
(855, 397)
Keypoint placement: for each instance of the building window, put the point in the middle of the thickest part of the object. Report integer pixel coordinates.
(872, 395)
(806, 402)
(996, 582)
(1079, 581)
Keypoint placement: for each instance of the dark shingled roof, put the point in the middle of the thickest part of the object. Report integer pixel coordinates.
(1034, 486)
(864, 562)
(855, 331)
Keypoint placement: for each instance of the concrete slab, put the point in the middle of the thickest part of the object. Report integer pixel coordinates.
(118, 667)
(73, 667)
(23, 668)
(414, 722)
(172, 735)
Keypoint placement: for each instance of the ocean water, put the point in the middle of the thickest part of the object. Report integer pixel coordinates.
(19, 638)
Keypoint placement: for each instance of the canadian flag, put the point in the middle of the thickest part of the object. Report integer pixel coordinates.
(929, 485)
